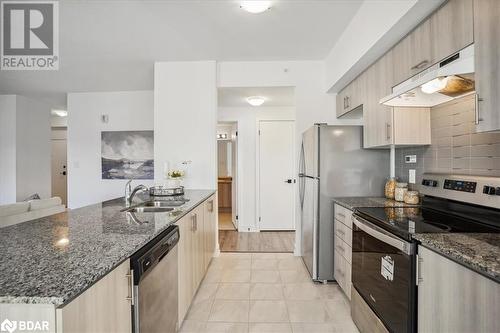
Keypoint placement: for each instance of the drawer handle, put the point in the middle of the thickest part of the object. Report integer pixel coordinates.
(340, 231)
(341, 248)
(340, 273)
(341, 215)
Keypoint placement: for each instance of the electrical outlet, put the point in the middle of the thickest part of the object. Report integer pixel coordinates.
(411, 159)
(411, 176)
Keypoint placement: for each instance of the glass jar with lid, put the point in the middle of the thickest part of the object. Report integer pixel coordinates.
(411, 197)
(400, 191)
(390, 187)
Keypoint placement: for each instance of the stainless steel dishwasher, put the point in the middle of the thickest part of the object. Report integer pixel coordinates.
(155, 301)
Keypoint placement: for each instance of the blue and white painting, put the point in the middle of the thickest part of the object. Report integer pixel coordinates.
(127, 155)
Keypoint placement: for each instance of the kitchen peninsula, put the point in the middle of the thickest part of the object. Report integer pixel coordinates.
(48, 264)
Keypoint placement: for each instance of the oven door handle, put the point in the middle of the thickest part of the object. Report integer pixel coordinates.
(382, 235)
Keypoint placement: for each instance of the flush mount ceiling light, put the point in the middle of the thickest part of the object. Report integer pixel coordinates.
(256, 6)
(59, 113)
(256, 100)
(435, 85)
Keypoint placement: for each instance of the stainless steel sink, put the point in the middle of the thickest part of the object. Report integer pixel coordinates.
(143, 209)
(164, 203)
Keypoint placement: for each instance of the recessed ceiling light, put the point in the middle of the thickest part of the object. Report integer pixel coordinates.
(256, 100)
(255, 6)
(59, 113)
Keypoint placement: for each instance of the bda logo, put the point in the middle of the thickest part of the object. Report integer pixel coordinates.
(30, 35)
(8, 326)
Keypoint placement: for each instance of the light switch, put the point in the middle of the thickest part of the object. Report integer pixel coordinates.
(411, 176)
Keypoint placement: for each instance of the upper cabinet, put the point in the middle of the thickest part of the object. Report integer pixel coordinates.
(448, 30)
(452, 28)
(487, 64)
(352, 96)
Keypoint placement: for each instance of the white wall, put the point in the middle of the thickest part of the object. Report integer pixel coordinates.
(312, 103)
(247, 118)
(127, 110)
(185, 120)
(24, 148)
(7, 149)
(33, 171)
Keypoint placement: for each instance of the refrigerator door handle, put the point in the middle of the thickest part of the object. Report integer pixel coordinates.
(301, 176)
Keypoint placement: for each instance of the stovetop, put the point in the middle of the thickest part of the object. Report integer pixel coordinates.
(436, 215)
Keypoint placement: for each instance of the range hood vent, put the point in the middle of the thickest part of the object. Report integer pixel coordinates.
(440, 83)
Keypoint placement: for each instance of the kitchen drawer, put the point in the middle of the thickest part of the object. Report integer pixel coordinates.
(343, 215)
(342, 273)
(343, 232)
(344, 249)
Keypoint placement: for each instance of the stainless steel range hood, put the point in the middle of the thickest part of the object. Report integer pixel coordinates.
(442, 82)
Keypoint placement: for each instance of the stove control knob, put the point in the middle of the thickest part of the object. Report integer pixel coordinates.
(497, 191)
(434, 183)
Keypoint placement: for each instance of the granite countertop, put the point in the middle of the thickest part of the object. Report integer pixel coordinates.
(478, 251)
(54, 259)
(355, 202)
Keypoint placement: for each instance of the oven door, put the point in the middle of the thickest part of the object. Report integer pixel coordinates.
(383, 271)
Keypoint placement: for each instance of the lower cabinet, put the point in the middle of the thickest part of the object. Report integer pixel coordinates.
(343, 248)
(453, 298)
(104, 307)
(195, 249)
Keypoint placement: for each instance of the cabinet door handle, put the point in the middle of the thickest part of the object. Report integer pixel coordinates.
(345, 106)
(130, 278)
(388, 131)
(348, 101)
(420, 260)
(342, 216)
(193, 222)
(340, 273)
(476, 110)
(420, 65)
(341, 248)
(211, 209)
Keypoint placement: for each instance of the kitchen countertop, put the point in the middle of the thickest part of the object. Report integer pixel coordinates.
(478, 251)
(54, 259)
(354, 202)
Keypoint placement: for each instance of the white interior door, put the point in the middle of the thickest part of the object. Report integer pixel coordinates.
(59, 165)
(276, 180)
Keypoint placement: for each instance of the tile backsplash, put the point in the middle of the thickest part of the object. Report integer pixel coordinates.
(455, 147)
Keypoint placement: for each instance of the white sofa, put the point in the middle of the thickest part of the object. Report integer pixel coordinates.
(29, 210)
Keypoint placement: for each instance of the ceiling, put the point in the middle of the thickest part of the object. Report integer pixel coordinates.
(274, 96)
(112, 45)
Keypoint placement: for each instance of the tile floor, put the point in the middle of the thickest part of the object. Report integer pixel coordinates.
(264, 293)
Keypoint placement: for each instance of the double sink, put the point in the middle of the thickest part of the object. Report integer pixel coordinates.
(156, 206)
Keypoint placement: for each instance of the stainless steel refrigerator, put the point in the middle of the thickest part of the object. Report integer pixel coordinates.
(333, 163)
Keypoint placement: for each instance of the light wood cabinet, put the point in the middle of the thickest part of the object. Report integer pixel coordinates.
(445, 32)
(377, 117)
(104, 307)
(343, 248)
(453, 298)
(352, 96)
(197, 235)
(452, 28)
(209, 229)
(487, 64)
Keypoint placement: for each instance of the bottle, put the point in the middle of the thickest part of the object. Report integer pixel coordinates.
(401, 189)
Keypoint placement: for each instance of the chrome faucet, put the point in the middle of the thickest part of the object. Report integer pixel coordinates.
(137, 189)
(128, 190)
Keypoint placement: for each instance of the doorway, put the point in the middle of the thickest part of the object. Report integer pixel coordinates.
(59, 164)
(227, 141)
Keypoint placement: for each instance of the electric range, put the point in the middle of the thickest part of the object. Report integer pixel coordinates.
(384, 251)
